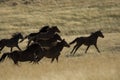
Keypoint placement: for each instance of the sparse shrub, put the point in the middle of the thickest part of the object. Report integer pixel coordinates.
(1, 1)
(27, 2)
(14, 3)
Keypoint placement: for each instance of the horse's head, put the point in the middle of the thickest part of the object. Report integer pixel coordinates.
(55, 29)
(65, 43)
(20, 36)
(17, 35)
(100, 34)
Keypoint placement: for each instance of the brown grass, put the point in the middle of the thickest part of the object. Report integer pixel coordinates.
(91, 66)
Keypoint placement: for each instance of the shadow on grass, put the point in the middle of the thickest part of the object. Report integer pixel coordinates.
(75, 55)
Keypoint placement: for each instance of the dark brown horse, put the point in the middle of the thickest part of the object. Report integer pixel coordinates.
(53, 52)
(49, 34)
(46, 35)
(22, 56)
(88, 41)
(12, 42)
(42, 30)
(50, 42)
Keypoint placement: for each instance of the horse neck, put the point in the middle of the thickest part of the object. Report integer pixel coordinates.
(94, 36)
(15, 38)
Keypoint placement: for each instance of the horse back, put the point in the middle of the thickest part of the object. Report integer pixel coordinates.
(87, 40)
(3, 41)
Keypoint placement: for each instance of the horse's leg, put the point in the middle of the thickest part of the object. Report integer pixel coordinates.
(87, 49)
(18, 48)
(77, 48)
(57, 58)
(39, 58)
(29, 42)
(97, 48)
(52, 60)
(11, 49)
(1, 48)
(15, 62)
(73, 49)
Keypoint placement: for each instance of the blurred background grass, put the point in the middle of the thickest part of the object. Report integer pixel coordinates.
(73, 17)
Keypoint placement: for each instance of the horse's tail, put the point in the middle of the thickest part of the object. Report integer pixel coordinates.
(4, 56)
(73, 41)
(0, 43)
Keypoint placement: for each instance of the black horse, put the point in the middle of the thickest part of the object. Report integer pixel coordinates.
(42, 30)
(49, 34)
(53, 52)
(12, 42)
(46, 35)
(22, 56)
(50, 42)
(88, 41)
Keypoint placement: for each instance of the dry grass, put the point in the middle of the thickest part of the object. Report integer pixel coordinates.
(91, 66)
(74, 18)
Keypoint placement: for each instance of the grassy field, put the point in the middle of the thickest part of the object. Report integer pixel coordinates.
(74, 18)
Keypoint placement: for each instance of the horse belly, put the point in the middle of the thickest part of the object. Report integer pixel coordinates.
(52, 55)
(88, 42)
(48, 44)
(26, 59)
(10, 43)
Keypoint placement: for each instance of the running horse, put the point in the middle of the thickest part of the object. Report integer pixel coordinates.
(50, 42)
(42, 30)
(88, 41)
(49, 34)
(29, 54)
(46, 35)
(52, 53)
(12, 42)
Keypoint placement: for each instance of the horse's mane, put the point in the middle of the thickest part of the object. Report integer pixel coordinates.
(94, 33)
(54, 27)
(44, 29)
(15, 34)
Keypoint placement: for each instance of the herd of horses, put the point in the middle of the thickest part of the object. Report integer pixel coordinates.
(45, 43)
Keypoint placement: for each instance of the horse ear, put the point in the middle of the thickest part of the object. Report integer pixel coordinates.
(91, 32)
(100, 29)
(63, 39)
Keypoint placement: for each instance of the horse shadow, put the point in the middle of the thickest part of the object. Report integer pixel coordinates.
(77, 55)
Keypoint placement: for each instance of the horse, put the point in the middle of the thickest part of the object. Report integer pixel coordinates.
(42, 30)
(87, 41)
(49, 34)
(50, 42)
(46, 35)
(53, 52)
(12, 42)
(22, 56)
